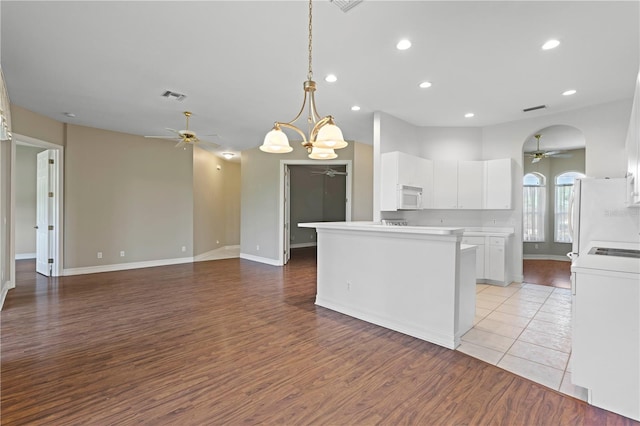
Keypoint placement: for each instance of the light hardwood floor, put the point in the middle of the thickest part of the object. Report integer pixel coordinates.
(238, 342)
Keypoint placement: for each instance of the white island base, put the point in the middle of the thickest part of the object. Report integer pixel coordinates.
(416, 280)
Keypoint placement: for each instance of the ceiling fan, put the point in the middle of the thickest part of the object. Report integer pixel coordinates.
(329, 172)
(186, 136)
(538, 155)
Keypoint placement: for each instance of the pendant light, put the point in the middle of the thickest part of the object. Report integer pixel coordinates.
(324, 135)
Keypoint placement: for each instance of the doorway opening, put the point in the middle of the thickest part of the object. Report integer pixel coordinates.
(38, 204)
(311, 191)
(549, 155)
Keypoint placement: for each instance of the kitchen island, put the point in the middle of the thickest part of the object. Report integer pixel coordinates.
(413, 279)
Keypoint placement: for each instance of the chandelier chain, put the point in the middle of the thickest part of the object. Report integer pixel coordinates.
(310, 73)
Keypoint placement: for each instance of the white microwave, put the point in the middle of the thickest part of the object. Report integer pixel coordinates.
(409, 197)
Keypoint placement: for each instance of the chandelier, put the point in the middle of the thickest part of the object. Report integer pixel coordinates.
(324, 136)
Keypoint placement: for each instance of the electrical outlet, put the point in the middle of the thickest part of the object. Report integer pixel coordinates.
(99, 255)
(184, 248)
(258, 247)
(122, 254)
(217, 241)
(348, 285)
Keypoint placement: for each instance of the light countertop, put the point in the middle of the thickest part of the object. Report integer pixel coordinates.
(378, 227)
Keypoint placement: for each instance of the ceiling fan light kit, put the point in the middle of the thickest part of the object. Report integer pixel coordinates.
(324, 135)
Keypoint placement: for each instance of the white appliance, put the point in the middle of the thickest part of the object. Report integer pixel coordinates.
(606, 295)
(409, 197)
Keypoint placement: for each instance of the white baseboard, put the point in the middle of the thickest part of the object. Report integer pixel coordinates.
(215, 253)
(545, 257)
(6, 286)
(23, 256)
(125, 266)
(266, 260)
(301, 245)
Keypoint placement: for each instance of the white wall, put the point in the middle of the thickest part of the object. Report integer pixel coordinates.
(604, 127)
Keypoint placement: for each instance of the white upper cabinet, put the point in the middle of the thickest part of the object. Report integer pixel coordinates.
(458, 184)
(470, 184)
(445, 184)
(498, 184)
(398, 168)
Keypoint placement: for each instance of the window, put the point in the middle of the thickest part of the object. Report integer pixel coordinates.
(534, 206)
(564, 188)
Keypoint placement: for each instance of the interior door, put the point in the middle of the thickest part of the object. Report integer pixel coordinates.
(287, 215)
(44, 207)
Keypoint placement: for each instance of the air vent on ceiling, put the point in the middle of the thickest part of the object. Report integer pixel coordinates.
(173, 95)
(534, 108)
(346, 5)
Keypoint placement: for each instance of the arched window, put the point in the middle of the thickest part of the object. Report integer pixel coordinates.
(534, 207)
(564, 188)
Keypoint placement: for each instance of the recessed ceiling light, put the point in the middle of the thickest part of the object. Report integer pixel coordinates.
(331, 78)
(569, 92)
(550, 44)
(403, 44)
(469, 115)
(425, 84)
(228, 155)
(355, 108)
(69, 114)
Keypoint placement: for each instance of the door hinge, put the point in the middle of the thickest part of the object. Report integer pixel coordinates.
(51, 195)
(50, 227)
(50, 261)
(50, 160)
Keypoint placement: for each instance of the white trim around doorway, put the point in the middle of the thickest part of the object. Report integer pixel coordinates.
(58, 188)
(283, 164)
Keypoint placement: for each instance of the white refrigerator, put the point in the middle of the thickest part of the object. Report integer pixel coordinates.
(605, 281)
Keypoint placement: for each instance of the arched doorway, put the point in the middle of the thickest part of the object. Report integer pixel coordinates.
(547, 154)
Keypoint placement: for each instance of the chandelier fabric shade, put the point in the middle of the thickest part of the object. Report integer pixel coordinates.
(324, 135)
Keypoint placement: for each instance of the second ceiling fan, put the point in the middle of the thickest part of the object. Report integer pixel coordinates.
(538, 154)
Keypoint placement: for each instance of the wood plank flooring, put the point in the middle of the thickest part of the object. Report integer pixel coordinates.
(238, 342)
(554, 273)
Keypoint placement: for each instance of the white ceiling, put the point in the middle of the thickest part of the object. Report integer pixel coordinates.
(242, 63)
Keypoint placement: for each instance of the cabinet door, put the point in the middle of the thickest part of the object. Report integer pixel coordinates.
(495, 268)
(470, 184)
(498, 182)
(480, 254)
(445, 184)
(389, 181)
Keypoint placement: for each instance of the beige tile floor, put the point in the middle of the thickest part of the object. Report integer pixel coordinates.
(525, 329)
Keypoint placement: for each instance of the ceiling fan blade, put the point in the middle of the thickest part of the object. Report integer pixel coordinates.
(181, 143)
(535, 160)
(561, 155)
(172, 130)
(550, 153)
(161, 137)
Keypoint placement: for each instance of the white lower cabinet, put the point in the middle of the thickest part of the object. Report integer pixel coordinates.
(495, 259)
(491, 258)
(479, 243)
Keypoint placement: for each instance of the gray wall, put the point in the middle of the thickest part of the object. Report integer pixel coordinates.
(261, 191)
(125, 193)
(216, 202)
(550, 168)
(362, 190)
(25, 187)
